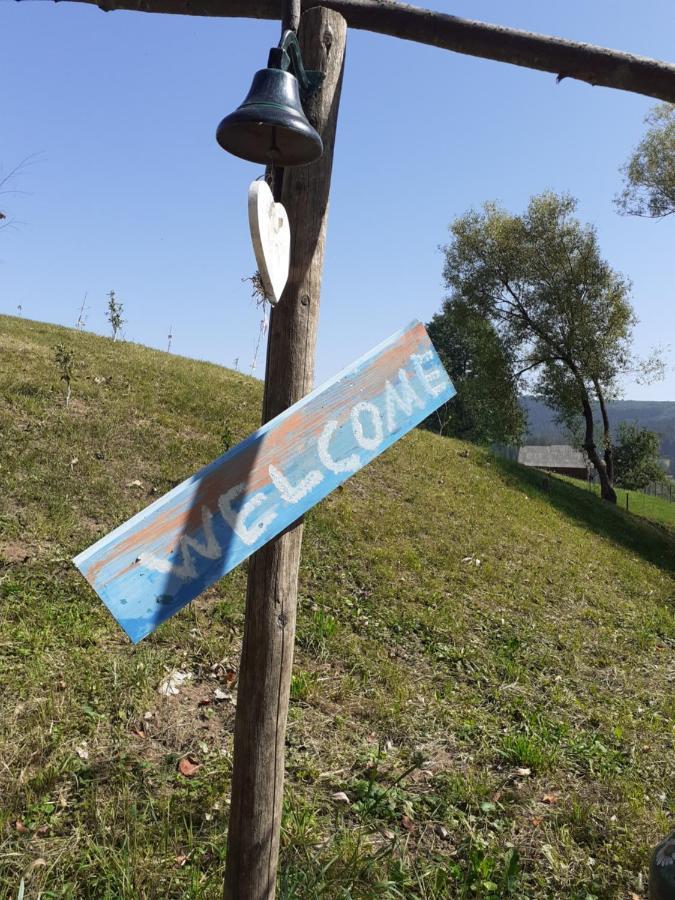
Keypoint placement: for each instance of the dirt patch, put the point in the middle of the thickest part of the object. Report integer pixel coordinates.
(202, 713)
(78, 407)
(14, 552)
(10, 508)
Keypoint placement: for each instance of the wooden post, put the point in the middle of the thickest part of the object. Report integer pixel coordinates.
(291, 15)
(269, 629)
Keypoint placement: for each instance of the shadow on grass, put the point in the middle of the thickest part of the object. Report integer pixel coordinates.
(652, 541)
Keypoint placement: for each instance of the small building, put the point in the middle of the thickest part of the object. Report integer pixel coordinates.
(560, 458)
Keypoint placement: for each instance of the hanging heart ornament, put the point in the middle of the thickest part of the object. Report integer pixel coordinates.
(271, 236)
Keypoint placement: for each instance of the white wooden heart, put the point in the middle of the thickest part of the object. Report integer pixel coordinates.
(271, 236)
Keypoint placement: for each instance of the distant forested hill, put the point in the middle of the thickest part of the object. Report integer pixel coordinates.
(658, 416)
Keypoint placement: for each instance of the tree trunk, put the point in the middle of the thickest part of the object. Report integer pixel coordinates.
(269, 630)
(607, 434)
(607, 492)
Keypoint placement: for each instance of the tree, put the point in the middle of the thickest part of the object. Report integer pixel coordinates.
(114, 314)
(637, 457)
(540, 281)
(486, 407)
(650, 172)
(6, 180)
(64, 357)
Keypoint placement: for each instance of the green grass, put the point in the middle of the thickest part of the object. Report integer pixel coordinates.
(483, 667)
(657, 509)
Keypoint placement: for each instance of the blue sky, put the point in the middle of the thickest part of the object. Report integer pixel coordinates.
(129, 190)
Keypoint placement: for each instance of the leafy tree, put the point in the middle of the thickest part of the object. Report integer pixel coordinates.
(539, 280)
(637, 457)
(650, 172)
(485, 408)
(114, 314)
(64, 357)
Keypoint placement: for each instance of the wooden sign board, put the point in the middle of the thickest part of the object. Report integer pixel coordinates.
(166, 555)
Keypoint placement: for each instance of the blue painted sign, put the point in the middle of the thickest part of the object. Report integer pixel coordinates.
(166, 555)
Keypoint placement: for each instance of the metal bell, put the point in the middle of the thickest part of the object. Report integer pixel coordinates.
(270, 126)
(662, 870)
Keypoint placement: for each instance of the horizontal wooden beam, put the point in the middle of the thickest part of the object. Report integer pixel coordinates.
(564, 58)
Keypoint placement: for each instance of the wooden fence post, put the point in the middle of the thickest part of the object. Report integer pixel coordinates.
(271, 601)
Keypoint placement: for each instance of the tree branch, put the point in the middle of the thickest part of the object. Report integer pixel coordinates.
(564, 58)
(547, 339)
(533, 365)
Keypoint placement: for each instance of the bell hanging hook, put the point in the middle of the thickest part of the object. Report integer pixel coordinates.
(287, 57)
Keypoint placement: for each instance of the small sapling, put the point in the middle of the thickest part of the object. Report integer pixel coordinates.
(64, 357)
(114, 314)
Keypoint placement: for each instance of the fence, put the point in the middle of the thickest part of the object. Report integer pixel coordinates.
(662, 489)
(660, 508)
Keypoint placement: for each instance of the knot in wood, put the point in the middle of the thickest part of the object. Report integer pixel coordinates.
(282, 620)
(327, 39)
(304, 299)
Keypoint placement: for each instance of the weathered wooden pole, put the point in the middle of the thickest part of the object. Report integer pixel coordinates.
(564, 58)
(290, 17)
(271, 601)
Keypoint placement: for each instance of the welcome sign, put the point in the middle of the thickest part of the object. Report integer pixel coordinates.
(166, 555)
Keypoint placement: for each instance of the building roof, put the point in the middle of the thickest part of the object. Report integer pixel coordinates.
(555, 456)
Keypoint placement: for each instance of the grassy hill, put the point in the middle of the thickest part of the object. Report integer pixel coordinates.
(483, 668)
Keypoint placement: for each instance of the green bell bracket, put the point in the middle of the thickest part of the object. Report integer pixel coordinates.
(287, 56)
